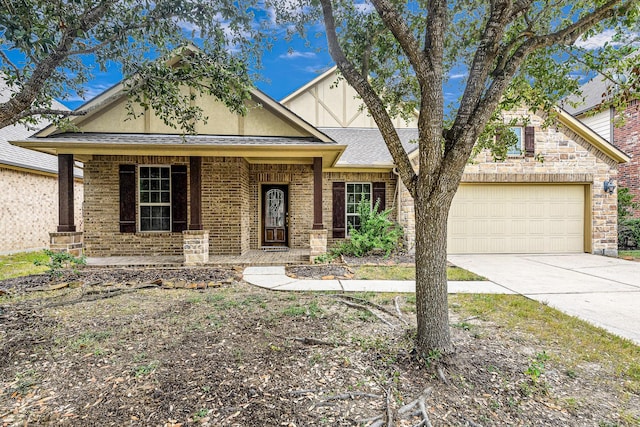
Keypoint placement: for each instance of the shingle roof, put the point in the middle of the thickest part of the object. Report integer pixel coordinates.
(366, 147)
(21, 157)
(164, 139)
(593, 92)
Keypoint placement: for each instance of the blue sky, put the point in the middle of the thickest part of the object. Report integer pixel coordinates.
(288, 66)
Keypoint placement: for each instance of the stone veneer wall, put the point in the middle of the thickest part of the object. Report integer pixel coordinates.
(327, 195)
(627, 138)
(29, 209)
(566, 158)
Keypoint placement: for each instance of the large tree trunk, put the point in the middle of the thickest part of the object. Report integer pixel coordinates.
(432, 311)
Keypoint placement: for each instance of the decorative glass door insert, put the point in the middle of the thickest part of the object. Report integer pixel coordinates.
(275, 215)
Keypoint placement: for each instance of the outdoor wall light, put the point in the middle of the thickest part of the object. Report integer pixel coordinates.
(609, 186)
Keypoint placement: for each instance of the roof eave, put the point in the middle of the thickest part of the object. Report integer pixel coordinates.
(302, 89)
(591, 136)
(330, 153)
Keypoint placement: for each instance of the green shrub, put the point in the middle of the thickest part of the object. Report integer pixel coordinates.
(628, 226)
(60, 260)
(626, 204)
(629, 233)
(377, 232)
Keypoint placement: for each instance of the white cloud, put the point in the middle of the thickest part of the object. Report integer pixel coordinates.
(90, 92)
(457, 76)
(598, 41)
(365, 8)
(295, 54)
(315, 69)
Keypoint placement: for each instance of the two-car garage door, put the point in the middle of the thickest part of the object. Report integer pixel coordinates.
(517, 218)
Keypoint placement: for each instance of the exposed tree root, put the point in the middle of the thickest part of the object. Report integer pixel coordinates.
(363, 301)
(363, 308)
(313, 341)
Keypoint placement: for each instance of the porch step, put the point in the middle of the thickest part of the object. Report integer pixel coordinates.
(274, 249)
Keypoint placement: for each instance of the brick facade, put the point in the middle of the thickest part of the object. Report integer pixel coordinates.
(561, 157)
(627, 138)
(231, 203)
(388, 178)
(102, 235)
(232, 195)
(29, 209)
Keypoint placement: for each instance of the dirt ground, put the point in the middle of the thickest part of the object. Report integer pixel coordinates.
(202, 347)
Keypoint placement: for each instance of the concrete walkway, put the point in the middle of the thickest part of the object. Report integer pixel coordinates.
(603, 291)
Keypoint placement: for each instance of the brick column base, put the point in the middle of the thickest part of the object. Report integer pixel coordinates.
(66, 241)
(317, 243)
(195, 247)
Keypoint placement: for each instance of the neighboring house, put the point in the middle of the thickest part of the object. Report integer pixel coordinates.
(271, 179)
(624, 135)
(29, 190)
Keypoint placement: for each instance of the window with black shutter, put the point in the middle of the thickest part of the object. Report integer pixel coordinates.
(339, 229)
(529, 141)
(347, 196)
(162, 198)
(127, 198)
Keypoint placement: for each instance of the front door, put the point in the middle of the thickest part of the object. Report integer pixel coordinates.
(275, 215)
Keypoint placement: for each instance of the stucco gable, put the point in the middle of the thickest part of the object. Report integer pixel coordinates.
(107, 113)
(328, 101)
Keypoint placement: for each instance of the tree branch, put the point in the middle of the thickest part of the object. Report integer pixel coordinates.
(431, 117)
(32, 87)
(482, 62)
(503, 73)
(370, 98)
(10, 63)
(398, 27)
(48, 112)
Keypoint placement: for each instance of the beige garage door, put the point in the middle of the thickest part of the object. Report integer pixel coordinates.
(518, 218)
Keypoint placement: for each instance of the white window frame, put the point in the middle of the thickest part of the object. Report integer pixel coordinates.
(520, 146)
(346, 202)
(142, 204)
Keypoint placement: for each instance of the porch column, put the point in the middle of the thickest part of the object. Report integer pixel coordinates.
(65, 193)
(195, 184)
(317, 193)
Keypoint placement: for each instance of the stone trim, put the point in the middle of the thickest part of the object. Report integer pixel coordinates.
(579, 178)
(195, 247)
(317, 243)
(66, 241)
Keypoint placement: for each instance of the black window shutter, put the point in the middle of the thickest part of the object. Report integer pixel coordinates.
(529, 141)
(127, 198)
(379, 190)
(339, 228)
(178, 198)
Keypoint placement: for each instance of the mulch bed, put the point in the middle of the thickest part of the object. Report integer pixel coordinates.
(88, 277)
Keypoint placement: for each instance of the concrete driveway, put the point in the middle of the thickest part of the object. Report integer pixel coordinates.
(603, 291)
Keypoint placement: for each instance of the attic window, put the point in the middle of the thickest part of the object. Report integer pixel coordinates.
(518, 148)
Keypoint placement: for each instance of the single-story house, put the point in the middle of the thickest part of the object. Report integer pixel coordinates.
(29, 196)
(276, 179)
(624, 135)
